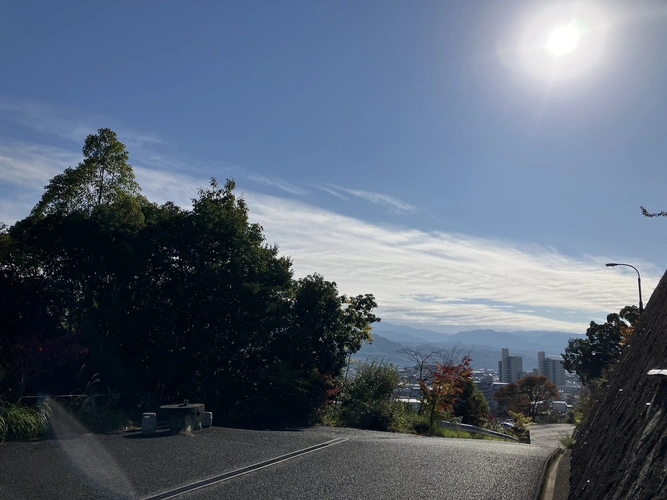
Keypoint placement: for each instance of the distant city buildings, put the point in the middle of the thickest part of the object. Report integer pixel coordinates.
(510, 368)
(489, 387)
(552, 368)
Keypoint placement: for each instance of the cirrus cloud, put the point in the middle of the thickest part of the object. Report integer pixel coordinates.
(432, 279)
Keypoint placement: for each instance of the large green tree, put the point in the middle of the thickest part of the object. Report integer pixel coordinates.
(471, 405)
(104, 177)
(590, 357)
(168, 303)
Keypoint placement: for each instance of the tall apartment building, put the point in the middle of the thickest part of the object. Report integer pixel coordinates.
(552, 368)
(510, 368)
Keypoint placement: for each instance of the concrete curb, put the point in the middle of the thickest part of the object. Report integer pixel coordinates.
(546, 473)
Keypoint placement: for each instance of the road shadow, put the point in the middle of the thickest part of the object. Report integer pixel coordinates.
(160, 433)
(263, 426)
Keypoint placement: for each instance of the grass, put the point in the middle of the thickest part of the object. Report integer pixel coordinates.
(456, 434)
(567, 441)
(20, 422)
(400, 419)
(106, 417)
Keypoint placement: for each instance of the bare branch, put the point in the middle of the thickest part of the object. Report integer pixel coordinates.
(646, 213)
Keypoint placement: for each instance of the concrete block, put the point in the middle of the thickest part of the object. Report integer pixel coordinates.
(148, 423)
(206, 418)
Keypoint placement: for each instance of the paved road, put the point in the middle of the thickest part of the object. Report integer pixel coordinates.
(549, 434)
(358, 464)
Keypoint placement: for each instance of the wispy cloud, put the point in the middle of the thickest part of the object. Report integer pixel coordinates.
(416, 274)
(32, 165)
(280, 184)
(430, 279)
(45, 119)
(389, 202)
(332, 192)
(66, 124)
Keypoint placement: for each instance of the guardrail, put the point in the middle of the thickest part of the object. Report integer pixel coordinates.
(473, 429)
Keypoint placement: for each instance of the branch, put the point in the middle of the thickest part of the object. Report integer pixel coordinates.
(646, 213)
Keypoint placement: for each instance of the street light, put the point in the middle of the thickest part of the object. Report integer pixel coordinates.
(639, 282)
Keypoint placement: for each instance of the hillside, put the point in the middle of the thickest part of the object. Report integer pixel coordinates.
(381, 349)
(622, 450)
(484, 345)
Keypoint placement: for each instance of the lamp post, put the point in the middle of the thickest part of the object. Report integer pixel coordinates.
(639, 281)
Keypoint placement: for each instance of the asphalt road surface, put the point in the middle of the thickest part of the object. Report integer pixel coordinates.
(308, 463)
(549, 434)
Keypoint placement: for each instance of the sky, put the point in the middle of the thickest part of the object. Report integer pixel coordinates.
(471, 164)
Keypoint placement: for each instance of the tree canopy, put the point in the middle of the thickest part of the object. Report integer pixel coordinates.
(530, 396)
(104, 177)
(164, 302)
(589, 357)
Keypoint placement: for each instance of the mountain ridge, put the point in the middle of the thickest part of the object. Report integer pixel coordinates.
(484, 345)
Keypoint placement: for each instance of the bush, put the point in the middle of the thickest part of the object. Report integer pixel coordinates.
(471, 406)
(20, 422)
(98, 413)
(567, 441)
(367, 400)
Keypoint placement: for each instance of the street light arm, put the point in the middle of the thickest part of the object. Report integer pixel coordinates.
(639, 281)
(614, 264)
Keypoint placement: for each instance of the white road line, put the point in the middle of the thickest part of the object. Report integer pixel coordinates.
(205, 483)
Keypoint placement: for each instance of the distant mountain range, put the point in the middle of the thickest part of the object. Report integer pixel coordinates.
(484, 345)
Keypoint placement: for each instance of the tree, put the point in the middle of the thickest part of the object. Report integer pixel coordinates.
(590, 357)
(104, 177)
(510, 400)
(646, 213)
(471, 405)
(420, 357)
(426, 359)
(530, 396)
(167, 303)
(539, 391)
(448, 383)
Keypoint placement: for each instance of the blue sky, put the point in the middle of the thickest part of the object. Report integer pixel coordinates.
(433, 153)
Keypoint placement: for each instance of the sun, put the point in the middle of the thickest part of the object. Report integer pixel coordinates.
(563, 40)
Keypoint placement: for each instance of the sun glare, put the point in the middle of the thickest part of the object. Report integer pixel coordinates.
(563, 40)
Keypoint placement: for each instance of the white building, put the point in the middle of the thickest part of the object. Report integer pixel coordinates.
(552, 368)
(510, 368)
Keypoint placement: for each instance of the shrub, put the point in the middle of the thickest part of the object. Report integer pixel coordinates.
(567, 441)
(99, 413)
(366, 401)
(471, 406)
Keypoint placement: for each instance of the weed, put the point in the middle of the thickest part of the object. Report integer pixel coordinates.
(567, 441)
(186, 432)
(21, 422)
